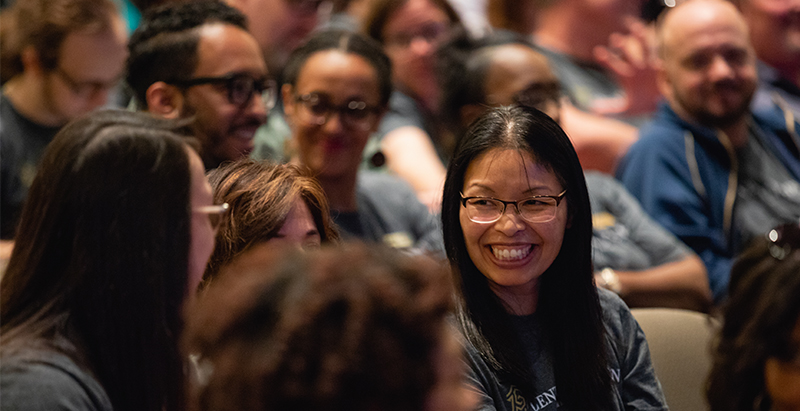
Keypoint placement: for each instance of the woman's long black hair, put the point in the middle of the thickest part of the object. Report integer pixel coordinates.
(568, 303)
(102, 254)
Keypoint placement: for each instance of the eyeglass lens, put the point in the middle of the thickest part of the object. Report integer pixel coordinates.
(488, 210)
(241, 89)
(354, 113)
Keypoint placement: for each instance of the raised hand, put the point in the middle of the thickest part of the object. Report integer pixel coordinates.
(632, 58)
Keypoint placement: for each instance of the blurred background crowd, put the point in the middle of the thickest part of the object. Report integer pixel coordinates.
(400, 204)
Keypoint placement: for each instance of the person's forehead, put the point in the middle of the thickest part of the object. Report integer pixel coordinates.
(703, 21)
(225, 48)
(414, 12)
(96, 55)
(516, 62)
(333, 67)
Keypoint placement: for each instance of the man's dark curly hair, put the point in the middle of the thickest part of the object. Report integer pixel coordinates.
(353, 328)
(164, 46)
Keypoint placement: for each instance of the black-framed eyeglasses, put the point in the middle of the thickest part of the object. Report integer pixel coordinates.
(535, 209)
(538, 95)
(784, 239)
(354, 114)
(240, 87)
(84, 88)
(216, 213)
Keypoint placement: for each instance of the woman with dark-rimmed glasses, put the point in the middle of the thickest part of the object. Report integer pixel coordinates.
(336, 89)
(517, 231)
(757, 354)
(116, 232)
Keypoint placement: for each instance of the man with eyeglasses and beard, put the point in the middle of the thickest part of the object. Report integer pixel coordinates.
(707, 168)
(197, 60)
(60, 59)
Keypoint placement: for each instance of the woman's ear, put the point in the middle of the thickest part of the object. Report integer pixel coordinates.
(31, 62)
(288, 102)
(164, 100)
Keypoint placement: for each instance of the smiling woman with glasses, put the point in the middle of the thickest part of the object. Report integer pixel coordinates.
(336, 91)
(757, 354)
(528, 305)
(633, 255)
(411, 138)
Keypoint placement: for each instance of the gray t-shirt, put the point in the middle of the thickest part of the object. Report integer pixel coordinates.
(46, 380)
(635, 384)
(390, 213)
(624, 236)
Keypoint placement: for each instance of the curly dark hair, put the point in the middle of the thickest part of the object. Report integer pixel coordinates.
(352, 328)
(164, 46)
(762, 310)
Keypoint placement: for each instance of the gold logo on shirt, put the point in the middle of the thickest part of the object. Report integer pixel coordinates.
(516, 399)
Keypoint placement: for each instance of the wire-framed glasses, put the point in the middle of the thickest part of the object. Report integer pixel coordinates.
(784, 239)
(317, 109)
(84, 89)
(535, 209)
(216, 213)
(431, 33)
(240, 88)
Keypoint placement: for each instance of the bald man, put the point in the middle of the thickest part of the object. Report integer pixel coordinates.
(707, 168)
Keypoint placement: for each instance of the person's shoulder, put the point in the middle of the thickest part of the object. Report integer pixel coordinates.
(660, 140)
(382, 182)
(774, 118)
(403, 112)
(601, 182)
(616, 314)
(662, 127)
(610, 301)
(7, 116)
(48, 380)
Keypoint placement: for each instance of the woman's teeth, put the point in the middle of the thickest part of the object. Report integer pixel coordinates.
(511, 254)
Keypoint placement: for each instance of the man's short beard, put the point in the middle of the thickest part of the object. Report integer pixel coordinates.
(723, 121)
(726, 120)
